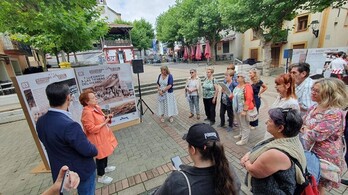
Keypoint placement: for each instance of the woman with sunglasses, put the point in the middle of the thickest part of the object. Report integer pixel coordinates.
(192, 92)
(323, 125)
(210, 92)
(242, 102)
(269, 165)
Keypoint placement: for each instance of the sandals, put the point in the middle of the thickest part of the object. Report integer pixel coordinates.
(191, 115)
(171, 119)
(162, 119)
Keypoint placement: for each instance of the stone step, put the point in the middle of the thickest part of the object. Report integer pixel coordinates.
(11, 116)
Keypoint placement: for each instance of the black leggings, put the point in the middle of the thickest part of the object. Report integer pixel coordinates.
(101, 164)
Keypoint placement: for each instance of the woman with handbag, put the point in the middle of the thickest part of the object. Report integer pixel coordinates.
(192, 93)
(211, 173)
(323, 128)
(242, 104)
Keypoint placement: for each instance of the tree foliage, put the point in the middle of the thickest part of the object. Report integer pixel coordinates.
(50, 25)
(191, 20)
(167, 27)
(142, 34)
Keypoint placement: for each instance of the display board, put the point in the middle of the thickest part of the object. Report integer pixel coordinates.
(112, 84)
(318, 58)
(114, 89)
(31, 93)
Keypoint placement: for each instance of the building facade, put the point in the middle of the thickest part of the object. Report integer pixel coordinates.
(332, 26)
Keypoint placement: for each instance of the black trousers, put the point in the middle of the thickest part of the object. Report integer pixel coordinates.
(209, 108)
(223, 109)
(101, 164)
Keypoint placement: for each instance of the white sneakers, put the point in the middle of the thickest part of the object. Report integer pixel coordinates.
(241, 142)
(109, 169)
(105, 179)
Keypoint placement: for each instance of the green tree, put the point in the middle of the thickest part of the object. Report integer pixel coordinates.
(49, 25)
(167, 27)
(191, 20)
(142, 34)
(266, 18)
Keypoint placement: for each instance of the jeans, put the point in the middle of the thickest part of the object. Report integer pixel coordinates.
(194, 104)
(209, 108)
(101, 164)
(87, 187)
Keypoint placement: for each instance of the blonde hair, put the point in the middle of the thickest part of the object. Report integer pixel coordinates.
(165, 68)
(230, 73)
(333, 93)
(211, 69)
(257, 75)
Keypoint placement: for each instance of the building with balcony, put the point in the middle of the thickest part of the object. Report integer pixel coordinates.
(325, 29)
(13, 60)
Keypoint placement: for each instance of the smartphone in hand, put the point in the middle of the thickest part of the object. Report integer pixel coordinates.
(64, 188)
(176, 161)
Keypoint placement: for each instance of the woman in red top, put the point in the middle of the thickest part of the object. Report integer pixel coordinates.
(242, 102)
(95, 124)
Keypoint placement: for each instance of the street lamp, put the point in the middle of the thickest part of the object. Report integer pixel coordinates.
(315, 28)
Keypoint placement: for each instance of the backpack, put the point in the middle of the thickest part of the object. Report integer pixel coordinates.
(309, 187)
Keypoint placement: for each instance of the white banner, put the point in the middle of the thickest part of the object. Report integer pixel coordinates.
(114, 89)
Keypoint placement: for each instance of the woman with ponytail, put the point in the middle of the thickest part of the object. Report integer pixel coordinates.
(210, 174)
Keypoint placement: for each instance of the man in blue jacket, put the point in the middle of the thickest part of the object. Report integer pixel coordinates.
(64, 139)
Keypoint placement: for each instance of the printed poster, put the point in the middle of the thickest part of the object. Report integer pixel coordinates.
(33, 86)
(318, 58)
(33, 90)
(114, 89)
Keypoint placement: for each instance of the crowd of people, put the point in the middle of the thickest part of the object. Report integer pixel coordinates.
(306, 115)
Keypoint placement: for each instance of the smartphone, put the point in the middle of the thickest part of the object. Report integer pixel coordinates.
(176, 161)
(64, 188)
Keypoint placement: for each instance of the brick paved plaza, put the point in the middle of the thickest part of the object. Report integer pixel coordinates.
(143, 155)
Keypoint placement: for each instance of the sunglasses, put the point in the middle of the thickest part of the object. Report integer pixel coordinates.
(192, 72)
(229, 68)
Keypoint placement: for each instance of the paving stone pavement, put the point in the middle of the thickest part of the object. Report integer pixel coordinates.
(143, 155)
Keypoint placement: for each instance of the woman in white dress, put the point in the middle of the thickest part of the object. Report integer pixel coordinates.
(166, 99)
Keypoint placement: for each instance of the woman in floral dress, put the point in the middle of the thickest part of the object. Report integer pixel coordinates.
(323, 125)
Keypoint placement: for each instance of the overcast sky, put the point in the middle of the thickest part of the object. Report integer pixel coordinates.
(131, 10)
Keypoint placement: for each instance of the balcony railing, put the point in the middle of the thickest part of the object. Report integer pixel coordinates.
(15, 47)
(117, 43)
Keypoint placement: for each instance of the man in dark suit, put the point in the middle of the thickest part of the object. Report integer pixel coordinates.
(64, 139)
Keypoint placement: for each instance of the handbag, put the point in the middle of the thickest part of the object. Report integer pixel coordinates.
(330, 171)
(252, 115)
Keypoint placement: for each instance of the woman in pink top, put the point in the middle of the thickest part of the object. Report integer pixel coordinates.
(323, 126)
(242, 102)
